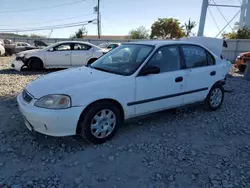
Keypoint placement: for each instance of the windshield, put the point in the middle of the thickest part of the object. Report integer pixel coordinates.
(123, 60)
(50, 46)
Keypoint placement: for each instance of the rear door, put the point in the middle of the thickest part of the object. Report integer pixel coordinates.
(81, 53)
(200, 73)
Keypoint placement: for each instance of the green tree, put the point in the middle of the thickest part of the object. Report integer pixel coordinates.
(241, 33)
(80, 33)
(139, 33)
(167, 28)
(189, 26)
(37, 36)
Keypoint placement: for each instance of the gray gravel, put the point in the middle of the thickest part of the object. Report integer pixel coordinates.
(186, 148)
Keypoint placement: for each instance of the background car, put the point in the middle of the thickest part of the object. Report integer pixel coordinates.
(59, 55)
(241, 60)
(2, 49)
(23, 46)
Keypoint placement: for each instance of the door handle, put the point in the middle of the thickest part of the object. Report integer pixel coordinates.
(179, 79)
(67, 54)
(213, 73)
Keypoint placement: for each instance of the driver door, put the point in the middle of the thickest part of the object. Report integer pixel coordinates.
(155, 92)
(59, 56)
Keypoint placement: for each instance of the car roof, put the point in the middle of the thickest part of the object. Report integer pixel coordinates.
(75, 41)
(162, 42)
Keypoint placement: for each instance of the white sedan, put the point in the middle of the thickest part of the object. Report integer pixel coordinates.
(2, 49)
(58, 55)
(146, 77)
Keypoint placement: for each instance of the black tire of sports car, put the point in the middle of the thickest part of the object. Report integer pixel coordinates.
(87, 118)
(35, 63)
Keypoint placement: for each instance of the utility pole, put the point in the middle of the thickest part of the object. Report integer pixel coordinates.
(203, 17)
(98, 18)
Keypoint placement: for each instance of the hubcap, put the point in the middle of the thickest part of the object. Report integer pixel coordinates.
(216, 97)
(103, 123)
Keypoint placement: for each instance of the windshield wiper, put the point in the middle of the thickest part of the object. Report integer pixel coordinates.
(101, 69)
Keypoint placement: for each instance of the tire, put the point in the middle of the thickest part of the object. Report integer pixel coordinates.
(242, 68)
(91, 61)
(35, 63)
(8, 52)
(88, 126)
(210, 102)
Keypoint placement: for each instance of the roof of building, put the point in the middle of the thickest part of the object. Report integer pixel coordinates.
(106, 37)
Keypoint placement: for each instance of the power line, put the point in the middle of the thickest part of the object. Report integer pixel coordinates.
(213, 19)
(46, 7)
(50, 27)
(36, 23)
(227, 24)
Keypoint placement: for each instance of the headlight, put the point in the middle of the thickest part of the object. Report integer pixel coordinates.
(54, 102)
(20, 56)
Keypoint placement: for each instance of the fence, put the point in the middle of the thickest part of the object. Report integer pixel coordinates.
(54, 40)
(235, 47)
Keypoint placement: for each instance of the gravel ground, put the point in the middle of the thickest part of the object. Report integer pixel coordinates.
(186, 148)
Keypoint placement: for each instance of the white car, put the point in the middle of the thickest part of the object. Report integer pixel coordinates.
(59, 55)
(94, 101)
(2, 49)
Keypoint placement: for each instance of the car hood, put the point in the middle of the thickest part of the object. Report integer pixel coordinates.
(29, 51)
(62, 82)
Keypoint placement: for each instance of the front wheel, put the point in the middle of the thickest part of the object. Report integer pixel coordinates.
(215, 97)
(100, 122)
(35, 63)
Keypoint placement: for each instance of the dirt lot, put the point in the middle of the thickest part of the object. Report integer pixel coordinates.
(189, 148)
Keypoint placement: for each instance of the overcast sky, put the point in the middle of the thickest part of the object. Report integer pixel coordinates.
(118, 17)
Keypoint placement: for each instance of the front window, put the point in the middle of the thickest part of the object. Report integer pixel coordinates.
(123, 60)
(81, 47)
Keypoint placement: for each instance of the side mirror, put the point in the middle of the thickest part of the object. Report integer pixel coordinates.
(148, 69)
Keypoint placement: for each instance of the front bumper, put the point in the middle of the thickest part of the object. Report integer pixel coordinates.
(49, 122)
(17, 65)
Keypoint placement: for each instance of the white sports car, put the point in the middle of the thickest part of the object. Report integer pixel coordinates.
(59, 55)
(2, 49)
(132, 80)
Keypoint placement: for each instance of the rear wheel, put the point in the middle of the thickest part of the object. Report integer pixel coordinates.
(215, 97)
(100, 122)
(35, 63)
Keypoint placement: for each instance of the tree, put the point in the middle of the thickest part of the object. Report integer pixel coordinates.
(241, 33)
(80, 33)
(37, 36)
(167, 28)
(139, 33)
(189, 26)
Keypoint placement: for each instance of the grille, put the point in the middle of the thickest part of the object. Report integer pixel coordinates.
(27, 97)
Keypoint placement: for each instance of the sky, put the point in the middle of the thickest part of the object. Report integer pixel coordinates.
(117, 17)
